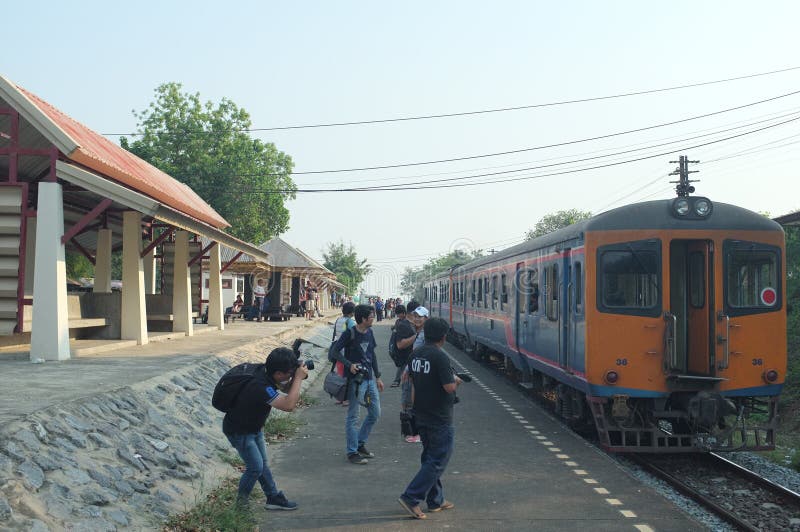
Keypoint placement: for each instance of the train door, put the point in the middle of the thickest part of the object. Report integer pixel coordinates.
(691, 307)
(520, 298)
(565, 317)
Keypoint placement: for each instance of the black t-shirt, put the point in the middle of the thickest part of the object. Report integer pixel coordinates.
(252, 406)
(430, 369)
(404, 329)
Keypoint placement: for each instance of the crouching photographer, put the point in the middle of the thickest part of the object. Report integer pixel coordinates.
(244, 421)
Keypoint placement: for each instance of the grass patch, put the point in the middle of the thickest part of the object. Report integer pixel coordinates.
(232, 459)
(217, 512)
(306, 399)
(281, 427)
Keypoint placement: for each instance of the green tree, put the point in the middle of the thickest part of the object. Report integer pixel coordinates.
(341, 259)
(556, 220)
(412, 281)
(78, 266)
(206, 146)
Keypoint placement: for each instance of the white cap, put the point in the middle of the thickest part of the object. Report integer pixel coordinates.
(421, 311)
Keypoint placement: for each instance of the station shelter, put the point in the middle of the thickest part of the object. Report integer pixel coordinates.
(291, 270)
(65, 187)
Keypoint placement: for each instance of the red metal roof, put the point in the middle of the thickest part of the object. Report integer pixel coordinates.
(100, 154)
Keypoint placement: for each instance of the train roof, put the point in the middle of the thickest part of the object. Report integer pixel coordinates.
(656, 215)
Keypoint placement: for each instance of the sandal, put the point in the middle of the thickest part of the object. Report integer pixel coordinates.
(415, 511)
(446, 505)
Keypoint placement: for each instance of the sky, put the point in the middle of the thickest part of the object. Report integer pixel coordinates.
(310, 63)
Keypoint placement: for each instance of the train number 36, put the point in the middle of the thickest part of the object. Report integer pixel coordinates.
(622, 362)
(758, 361)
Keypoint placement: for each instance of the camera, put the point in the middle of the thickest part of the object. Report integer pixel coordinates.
(361, 374)
(309, 364)
(465, 377)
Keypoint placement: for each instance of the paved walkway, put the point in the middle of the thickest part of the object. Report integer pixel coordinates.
(27, 387)
(514, 468)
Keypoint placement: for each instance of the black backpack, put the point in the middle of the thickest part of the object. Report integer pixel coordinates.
(231, 385)
(394, 353)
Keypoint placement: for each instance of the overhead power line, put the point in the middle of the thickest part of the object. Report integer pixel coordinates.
(499, 109)
(518, 178)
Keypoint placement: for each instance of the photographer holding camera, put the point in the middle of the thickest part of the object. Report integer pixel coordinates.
(244, 422)
(355, 348)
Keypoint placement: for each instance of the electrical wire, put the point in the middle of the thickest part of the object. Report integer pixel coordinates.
(496, 110)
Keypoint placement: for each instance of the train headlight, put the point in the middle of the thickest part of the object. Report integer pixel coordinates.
(681, 207)
(702, 207)
(771, 375)
(611, 377)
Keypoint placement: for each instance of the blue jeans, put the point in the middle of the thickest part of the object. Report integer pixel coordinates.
(437, 448)
(356, 436)
(253, 451)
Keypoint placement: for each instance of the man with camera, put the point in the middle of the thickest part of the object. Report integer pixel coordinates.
(244, 422)
(434, 390)
(355, 348)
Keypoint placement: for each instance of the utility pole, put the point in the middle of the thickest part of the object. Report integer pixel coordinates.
(683, 187)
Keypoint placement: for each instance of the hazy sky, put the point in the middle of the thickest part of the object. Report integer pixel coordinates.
(300, 63)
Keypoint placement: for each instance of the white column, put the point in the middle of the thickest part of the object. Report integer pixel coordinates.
(30, 256)
(50, 330)
(102, 262)
(134, 310)
(215, 307)
(149, 265)
(181, 293)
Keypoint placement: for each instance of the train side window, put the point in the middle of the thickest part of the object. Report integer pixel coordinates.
(532, 290)
(503, 292)
(486, 292)
(752, 278)
(629, 278)
(480, 292)
(494, 292)
(472, 294)
(578, 288)
(551, 282)
(427, 295)
(697, 279)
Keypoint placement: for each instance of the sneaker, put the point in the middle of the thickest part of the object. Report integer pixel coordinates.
(410, 439)
(362, 451)
(279, 502)
(357, 459)
(446, 505)
(395, 384)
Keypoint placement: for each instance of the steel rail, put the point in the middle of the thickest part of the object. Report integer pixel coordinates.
(693, 494)
(755, 477)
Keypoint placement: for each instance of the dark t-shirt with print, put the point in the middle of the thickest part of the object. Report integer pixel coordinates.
(430, 370)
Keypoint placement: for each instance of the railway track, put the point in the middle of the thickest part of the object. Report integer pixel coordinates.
(735, 494)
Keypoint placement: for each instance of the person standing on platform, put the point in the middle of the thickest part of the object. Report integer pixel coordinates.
(259, 293)
(379, 309)
(434, 389)
(355, 349)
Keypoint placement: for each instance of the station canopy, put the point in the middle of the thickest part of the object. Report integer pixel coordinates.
(92, 169)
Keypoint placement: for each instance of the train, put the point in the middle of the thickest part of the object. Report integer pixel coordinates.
(660, 324)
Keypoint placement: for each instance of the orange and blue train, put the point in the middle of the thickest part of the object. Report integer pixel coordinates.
(662, 324)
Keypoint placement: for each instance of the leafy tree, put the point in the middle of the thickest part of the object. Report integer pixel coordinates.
(413, 280)
(342, 260)
(78, 266)
(557, 220)
(206, 146)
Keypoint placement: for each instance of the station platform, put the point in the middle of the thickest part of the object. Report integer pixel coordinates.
(514, 468)
(99, 366)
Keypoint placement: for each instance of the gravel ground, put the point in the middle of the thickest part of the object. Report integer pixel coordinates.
(780, 475)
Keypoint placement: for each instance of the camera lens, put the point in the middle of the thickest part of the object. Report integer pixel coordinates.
(309, 364)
